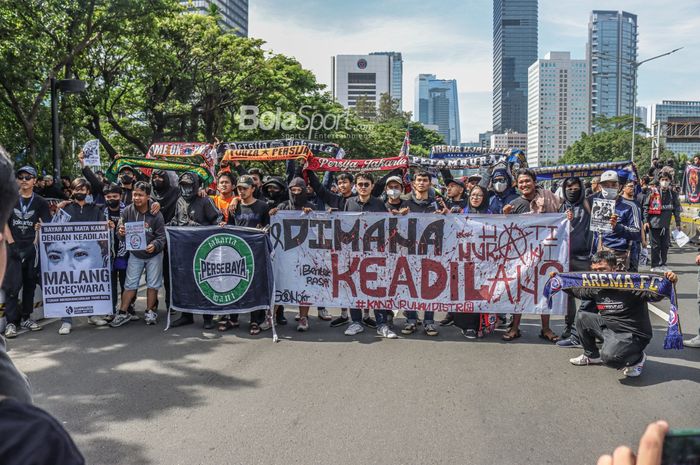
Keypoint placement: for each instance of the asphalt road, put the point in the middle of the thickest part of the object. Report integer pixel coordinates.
(138, 395)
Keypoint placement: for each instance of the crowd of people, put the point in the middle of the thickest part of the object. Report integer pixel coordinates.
(646, 211)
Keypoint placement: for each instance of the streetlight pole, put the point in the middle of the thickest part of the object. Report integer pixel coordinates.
(636, 66)
(69, 86)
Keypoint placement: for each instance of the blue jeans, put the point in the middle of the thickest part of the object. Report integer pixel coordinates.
(412, 316)
(379, 315)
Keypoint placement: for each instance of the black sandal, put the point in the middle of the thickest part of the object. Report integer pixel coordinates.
(225, 325)
(254, 329)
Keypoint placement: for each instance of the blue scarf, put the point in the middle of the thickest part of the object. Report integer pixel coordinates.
(623, 282)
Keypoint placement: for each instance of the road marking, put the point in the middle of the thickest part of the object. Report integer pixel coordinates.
(658, 312)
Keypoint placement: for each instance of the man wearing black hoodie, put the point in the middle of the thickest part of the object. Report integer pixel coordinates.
(578, 212)
(297, 201)
(164, 195)
(192, 210)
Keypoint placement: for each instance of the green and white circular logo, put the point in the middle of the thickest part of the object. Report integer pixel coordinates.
(223, 268)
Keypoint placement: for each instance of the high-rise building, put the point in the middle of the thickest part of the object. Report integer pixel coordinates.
(557, 106)
(437, 103)
(643, 116)
(234, 13)
(485, 139)
(509, 140)
(679, 112)
(364, 76)
(514, 50)
(612, 55)
(396, 75)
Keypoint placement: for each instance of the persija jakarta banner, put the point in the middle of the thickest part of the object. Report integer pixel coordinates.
(479, 263)
(219, 270)
(348, 164)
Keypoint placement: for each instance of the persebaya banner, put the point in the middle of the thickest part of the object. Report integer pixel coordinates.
(316, 147)
(293, 152)
(692, 184)
(452, 263)
(75, 271)
(219, 270)
(372, 164)
(579, 171)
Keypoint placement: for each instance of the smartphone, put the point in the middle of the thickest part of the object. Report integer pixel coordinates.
(681, 447)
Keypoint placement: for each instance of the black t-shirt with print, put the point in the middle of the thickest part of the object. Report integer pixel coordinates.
(25, 215)
(251, 216)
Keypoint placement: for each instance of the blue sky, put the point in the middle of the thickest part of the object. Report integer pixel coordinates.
(452, 39)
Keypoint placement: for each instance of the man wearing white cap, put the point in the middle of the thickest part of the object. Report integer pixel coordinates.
(625, 222)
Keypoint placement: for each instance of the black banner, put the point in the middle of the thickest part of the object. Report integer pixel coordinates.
(219, 270)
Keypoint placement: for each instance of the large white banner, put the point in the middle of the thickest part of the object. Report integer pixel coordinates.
(479, 263)
(75, 269)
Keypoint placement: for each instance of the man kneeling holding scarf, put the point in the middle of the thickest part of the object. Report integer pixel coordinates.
(622, 321)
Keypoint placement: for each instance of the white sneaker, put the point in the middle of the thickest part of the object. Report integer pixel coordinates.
(151, 317)
(386, 332)
(303, 324)
(694, 342)
(654, 269)
(11, 331)
(324, 315)
(297, 317)
(583, 360)
(65, 329)
(97, 321)
(635, 370)
(354, 328)
(265, 325)
(134, 317)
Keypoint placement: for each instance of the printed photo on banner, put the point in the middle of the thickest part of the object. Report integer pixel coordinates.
(91, 152)
(481, 263)
(75, 275)
(135, 235)
(601, 212)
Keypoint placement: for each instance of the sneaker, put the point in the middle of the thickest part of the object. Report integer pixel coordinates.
(409, 328)
(570, 342)
(386, 332)
(133, 316)
(31, 325)
(635, 370)
(11, 331)
(354, 328)
(431, 330)
(65, 329)
(694, 342)
(583, 360)
(97, 321)
(324, 315)
(447, 321)
(340, 321)
(120, 319)
(151, 317)
(265, 325)
(390, 319)
(469, 333)
(303, 324)
(567, 332)
(297, 317)
(369, 322)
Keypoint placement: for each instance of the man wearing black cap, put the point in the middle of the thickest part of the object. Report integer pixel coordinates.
(29, 210)
(456, 200)
(127, 178)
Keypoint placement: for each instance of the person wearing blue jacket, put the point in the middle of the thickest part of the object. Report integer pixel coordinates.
(502, 187)
(626, 223)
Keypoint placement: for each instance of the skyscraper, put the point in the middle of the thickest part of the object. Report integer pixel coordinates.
(396, 75)
(437, 103)
(234, 13)
(611, 53)
(365, 76)
(557, 106)
(514, 50)
(679, 112)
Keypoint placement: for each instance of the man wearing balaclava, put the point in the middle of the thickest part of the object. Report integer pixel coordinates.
(297, 201)
(502, 187)
(193, 210)
(274, 191)
(626, 222)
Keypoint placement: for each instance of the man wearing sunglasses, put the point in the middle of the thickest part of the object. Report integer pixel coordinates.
(29, 210)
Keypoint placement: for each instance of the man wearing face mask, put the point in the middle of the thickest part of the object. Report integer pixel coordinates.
(659, 206)
(127, 178)
(297, 201)
(578, 212)
(392, 194)
(502, 185)
(193, 210)
(626, 223)
(274, 191)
